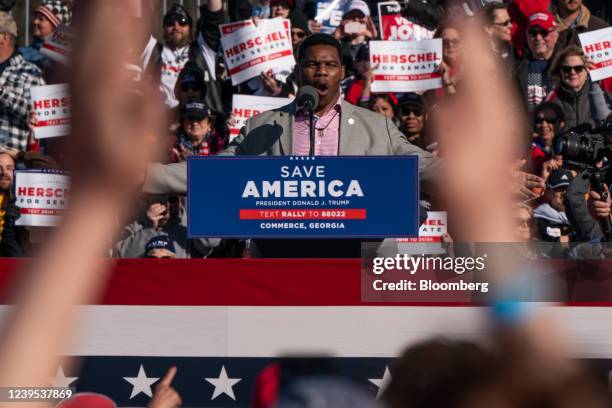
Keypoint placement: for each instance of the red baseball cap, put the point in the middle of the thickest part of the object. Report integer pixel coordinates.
(542, 19)
(88, 400)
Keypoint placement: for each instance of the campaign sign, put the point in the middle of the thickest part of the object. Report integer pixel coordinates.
(51, 104)
(245, 107)
(58, 46)
(406, 66)
(395, 27)
(598, 46)
(432, 229)
(250, 50)
(329, 14)
(42, 196)
(303, 196)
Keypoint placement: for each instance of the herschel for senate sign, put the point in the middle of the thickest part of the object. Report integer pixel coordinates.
(303, 197)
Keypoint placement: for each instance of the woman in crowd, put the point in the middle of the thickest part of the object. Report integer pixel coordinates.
(197, 135)
(548, 122)
(452, 47)
(572, 93)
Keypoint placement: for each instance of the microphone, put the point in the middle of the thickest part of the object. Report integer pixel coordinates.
(308, 99)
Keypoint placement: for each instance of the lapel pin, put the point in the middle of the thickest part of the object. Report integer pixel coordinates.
(351, 121)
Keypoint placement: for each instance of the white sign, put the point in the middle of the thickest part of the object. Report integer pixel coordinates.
(245, 107)
(395, 27)
(598, 46)
(42, 196)
(58, 46)
(51, 104)
(250, 50)
(406, 66)
(429, 240)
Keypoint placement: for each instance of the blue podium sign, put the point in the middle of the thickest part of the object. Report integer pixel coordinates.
(303, 197)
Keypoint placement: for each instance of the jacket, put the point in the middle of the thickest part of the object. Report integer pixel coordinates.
(575, 105)
(584, 23)
(15, 83)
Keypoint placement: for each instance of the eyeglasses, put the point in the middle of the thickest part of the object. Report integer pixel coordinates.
(170, 21)
(548, 119)
(534, 33)
(452, 42)
(416, 110)
(567, 69)
(504, 23)
(300, 34)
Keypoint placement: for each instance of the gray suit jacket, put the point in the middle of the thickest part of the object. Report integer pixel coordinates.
(362, 133)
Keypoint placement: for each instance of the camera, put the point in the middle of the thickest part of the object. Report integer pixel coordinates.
(582, 148)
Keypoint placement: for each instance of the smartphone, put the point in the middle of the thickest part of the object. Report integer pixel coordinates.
(354, 27)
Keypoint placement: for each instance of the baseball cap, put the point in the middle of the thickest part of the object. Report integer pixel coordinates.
(541, 19)
(411, 99)
(89, 400)
(8, 24)
(159, 242)
(358, 5)
(196, 109)
(560, 178)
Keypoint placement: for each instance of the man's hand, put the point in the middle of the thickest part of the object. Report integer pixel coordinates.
(601, 208)
(314, 26)
(270, 83)
(549, 166)
(165, 396)
(526, 184)
(156, 213)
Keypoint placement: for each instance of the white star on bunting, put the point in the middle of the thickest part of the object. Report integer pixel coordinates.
(60, 380)
(381, 383)
(223, 384)
(141, 383)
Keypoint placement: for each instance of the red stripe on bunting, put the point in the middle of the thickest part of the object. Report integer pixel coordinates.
(278, 282)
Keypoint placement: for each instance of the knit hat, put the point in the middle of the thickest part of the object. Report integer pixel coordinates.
(56, 11)
(7, 24)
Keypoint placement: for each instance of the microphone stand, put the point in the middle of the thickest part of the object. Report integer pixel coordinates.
(312, 130)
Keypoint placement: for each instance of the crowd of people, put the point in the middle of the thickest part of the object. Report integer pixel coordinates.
(534, 47)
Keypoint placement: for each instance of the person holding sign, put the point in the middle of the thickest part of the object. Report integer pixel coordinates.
(17, 78)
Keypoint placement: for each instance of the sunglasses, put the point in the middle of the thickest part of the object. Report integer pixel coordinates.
(415, 110)
(189, 87)
(567, 69)
(299, 34)
(548, 119)
(534, 33)
(504, 23)
(523, 222)
(182, 20)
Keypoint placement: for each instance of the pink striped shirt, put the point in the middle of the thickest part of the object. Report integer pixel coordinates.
(324, 146)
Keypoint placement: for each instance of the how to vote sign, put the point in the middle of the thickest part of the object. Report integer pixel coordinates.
(250, 50)
(245, 107)
(598, 46)
(51, 104)
(303, 197)
(395, 27)
(42, 196)
(406, 66)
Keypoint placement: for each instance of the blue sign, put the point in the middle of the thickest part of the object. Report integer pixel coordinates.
(329, 13)
(303, 196)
